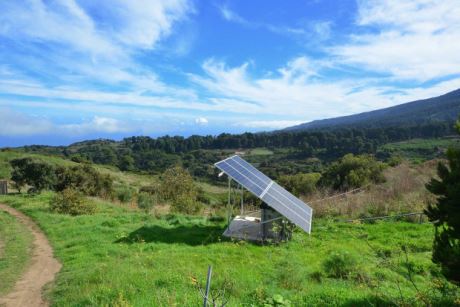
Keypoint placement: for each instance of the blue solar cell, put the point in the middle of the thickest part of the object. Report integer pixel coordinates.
(270, 192)
(286, 196)
(244, 171)
(245, 180)
(294, 211)
(252, 169)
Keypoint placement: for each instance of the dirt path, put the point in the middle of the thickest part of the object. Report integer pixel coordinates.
(42, 269)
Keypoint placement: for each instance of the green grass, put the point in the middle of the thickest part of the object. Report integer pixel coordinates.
(260, 152)
(119, 255)
(132, 179)
(421, 149)
(15, 250)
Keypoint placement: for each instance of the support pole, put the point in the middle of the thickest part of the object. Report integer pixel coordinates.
(242, 203)
(229, 201)
(208, 285)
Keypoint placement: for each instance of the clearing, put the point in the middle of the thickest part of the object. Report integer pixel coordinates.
(120, 255)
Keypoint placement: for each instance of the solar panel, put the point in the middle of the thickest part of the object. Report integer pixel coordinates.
(267, 190)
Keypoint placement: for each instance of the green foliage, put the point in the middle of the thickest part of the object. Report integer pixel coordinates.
(198, 153)
(395, 160)
(177, 183)
(353, 172)
(178, 188)
(38, 174)
(125, 194)
(154, 189)
(186, 205)
(150, 260)
(300, 184)
(85, 179)
(445, 214)
(126, 163)
(72, 202)
(340, 264)
(275, 301)
(145, 201)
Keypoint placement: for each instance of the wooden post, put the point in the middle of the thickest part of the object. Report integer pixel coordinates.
(3, 187)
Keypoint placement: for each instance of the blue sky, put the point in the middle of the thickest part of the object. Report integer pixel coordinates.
(81, 69)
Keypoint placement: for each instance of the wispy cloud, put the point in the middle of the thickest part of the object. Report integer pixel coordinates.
(18, 124)
(406, 39)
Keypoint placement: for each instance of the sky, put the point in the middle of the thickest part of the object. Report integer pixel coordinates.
(72, 70)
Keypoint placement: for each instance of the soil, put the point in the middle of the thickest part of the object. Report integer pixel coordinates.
(42, 269)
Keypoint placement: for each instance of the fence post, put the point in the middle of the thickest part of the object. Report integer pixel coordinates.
(208, 285)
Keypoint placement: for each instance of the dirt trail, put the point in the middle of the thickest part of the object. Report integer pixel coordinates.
(42, 268)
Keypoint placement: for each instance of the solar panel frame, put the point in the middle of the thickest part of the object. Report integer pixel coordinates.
(267, 190)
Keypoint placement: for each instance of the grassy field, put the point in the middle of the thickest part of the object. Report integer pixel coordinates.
(123, 257)
(421, 149)
(15, 249)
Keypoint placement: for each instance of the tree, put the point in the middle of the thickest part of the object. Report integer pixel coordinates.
(445, 214)
(126, 163)
(35, 173)
(353, 172)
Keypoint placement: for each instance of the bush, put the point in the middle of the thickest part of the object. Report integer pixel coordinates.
(85, 179)
(353, 172)
(71, 202)
(186, 205)
(125, 194)
(145, 201)
(176, 183)
(340, 264)
(300, 184)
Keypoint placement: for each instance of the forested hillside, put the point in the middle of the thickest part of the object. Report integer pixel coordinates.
(293, 151)
(444, 108)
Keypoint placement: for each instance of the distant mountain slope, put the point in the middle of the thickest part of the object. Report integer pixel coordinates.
(442, 108)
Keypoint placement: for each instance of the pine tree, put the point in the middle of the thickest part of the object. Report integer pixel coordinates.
(445, 214)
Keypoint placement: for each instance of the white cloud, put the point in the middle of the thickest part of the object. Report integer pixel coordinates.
(81, 49)
(18, 124)
(298, 92)
(269, 124)
(416, 39)
(231, 15)
(201, 121)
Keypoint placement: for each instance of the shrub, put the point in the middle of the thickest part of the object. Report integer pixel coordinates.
(176, 184)
(300, 184)
(125, 194)
(71, 202)
(340, 264)
(145, 201)
(353, 172)
(186, 205)
(85, 179)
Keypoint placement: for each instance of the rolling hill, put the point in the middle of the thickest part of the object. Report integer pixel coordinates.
(437, 109)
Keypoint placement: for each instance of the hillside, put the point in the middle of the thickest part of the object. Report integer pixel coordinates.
(437, 109)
